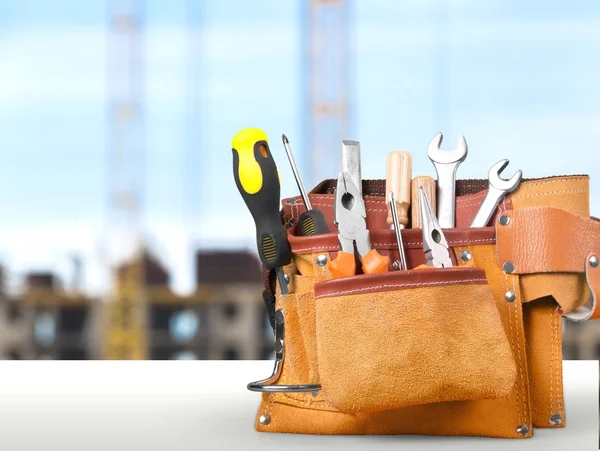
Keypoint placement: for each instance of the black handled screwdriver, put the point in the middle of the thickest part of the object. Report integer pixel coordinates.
(257, 180)
(312, 222)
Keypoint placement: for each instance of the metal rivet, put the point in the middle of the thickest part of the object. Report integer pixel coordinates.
(510, 296)
(556, 419)
(465, 256)
(396, 265)
(504, 220)
(315, 393)
(287, 278)
(265, 419)
(290, 201)
(594, 261)
(522, 430)
(321, 260)
(508, 267)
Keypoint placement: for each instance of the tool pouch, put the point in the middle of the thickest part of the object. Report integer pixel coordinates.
(458, 357)
(409, 338)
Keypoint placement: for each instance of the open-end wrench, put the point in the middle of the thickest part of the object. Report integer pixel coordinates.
(497, 189)
(446, 163)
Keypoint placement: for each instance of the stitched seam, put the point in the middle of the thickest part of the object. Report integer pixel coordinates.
(415, 243)
(307, 399)
(314, 204)
(285, 397)
(471, 197)
(518, 291)
(317, 248)
(269, 407)
(557, 346)
(560, 180)
(470, 205)
(552, 366)
(513, 348)
(559, 366)
(512, 308)
(552, 192)
(450, 242)
(366, 199)
(407, 285)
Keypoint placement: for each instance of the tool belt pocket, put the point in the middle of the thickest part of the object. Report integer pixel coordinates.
(391, 340)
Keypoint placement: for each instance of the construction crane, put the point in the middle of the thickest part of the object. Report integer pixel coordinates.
(327, 84)
(126, 310)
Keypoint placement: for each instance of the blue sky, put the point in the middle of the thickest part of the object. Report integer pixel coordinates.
(518, 79)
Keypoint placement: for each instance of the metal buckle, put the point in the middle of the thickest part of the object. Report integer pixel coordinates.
(585, 312)
(268, 385)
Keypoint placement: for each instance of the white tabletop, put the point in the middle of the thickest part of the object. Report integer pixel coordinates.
(204, 405)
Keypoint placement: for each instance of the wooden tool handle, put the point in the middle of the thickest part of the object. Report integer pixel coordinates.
(428, 184)
(398, 180)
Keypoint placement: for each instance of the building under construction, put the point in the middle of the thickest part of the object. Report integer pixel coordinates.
(44, 321)
(224, 317)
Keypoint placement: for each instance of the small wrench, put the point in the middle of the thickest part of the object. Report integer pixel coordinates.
(446, 163)
(498, 188)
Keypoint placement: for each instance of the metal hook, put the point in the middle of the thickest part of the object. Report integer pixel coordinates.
(268, 385)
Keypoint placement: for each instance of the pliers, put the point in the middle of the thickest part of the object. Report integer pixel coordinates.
(435, 246)
(350, 219)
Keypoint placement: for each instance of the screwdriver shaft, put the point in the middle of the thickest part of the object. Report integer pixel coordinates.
(290, 155)
(398, 232)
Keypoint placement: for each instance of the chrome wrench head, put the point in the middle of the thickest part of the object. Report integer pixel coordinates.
(507, 186)
(497, 189)
(437, 155)
(446, 163)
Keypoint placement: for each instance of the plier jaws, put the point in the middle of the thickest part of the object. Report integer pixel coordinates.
(435, 246)
(350, 216)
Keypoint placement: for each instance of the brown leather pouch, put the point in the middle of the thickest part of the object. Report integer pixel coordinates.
(552, 246)
(411, 337)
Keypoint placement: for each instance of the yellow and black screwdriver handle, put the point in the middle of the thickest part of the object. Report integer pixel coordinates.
(257, 180)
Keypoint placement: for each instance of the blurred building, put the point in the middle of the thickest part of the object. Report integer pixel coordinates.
(237, 321)
(46, 322)
(14, 333)
(224, 318)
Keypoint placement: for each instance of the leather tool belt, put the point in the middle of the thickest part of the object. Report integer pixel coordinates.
(472, 350)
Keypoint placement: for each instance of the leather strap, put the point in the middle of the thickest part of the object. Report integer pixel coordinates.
(544, 240)
(386, 239)
(466, 208)
(399, 280)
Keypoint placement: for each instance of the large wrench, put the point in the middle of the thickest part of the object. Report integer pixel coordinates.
(446, 163)
(498, 188)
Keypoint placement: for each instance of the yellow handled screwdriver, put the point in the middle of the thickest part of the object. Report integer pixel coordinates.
(257, 180)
